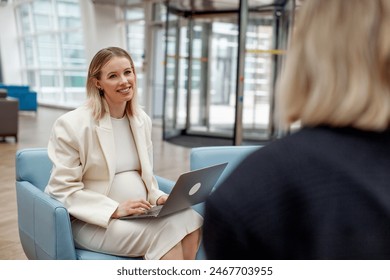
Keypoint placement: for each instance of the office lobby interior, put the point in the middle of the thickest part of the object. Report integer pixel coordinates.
(190, 58)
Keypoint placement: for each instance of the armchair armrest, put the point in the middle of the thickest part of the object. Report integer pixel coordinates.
(164, 184)
(39, 216)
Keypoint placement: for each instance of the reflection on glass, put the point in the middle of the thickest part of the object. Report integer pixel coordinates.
(135, 30)
(43, 17)
(31, 78)
(171, 87)
(24, 19)
(72, 49)
(134, 13)
(49, 78)
(159, 12)
(47, 50)
(68, 14)
(28, 51)
(74, 79)
(258, 75)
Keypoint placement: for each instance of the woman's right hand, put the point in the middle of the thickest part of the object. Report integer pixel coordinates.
(131, 207)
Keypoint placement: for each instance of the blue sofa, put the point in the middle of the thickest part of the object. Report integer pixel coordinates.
(27, 98)
(44, 225)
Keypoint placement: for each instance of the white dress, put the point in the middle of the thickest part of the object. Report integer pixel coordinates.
(148, 238)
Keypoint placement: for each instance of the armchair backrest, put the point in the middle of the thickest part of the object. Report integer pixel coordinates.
(205, 156)
(33, 165)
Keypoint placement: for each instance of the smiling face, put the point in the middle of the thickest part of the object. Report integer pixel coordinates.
(117, 80)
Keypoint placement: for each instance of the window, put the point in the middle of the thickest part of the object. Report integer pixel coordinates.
(52, 50)
(135, 37)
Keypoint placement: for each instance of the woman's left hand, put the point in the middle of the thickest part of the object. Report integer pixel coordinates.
(161, 200)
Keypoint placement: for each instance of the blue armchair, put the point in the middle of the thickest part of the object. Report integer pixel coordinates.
(44, 225)
(205, 156)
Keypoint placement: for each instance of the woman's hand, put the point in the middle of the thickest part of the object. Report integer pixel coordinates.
(131, 207)
(161, 200)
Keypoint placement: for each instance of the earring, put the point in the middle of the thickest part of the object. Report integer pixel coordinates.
(101, 92)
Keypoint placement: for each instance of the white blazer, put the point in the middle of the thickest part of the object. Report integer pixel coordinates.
(83, 154)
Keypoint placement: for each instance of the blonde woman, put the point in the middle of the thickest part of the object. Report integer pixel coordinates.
(103, 170)
(322, 192)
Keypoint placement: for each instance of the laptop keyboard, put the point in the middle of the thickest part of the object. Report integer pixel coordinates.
(154, 209)
(152, 212)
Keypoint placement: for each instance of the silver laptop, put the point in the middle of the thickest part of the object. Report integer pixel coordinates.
(191, 188)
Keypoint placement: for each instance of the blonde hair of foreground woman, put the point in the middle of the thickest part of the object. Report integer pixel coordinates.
(337, 69)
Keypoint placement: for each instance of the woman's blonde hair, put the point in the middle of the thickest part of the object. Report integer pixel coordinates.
(337, 69)
(95, 97)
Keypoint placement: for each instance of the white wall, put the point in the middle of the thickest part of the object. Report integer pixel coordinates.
(100, 27)
(10, 57)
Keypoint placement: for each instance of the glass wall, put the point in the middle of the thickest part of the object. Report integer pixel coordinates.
(135, 39)
(53, 55)
(175, 108)
(214, 71)
(202, 73)
(259, 71)
(187, 63)
(156, 50)
(52, 50)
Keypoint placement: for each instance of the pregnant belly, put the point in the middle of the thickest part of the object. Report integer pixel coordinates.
(127, 185)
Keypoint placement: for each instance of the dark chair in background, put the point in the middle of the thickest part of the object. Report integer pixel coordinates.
(9, 115)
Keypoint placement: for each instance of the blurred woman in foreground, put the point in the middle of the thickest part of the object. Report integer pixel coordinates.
(322, 192)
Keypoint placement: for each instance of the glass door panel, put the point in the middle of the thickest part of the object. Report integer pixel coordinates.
(213, 62)
(258, 86)
(175, 92)
(201, 75)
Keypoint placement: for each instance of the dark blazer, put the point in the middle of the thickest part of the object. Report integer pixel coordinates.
(321, 193)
